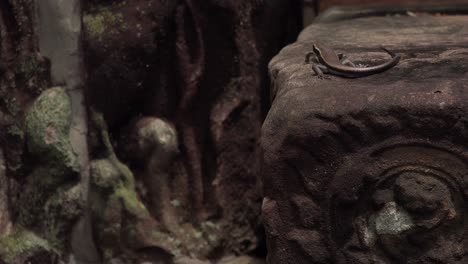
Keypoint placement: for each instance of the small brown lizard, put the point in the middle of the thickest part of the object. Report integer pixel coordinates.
(338, 64)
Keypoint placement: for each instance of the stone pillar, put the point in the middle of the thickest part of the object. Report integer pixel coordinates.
(374, 169)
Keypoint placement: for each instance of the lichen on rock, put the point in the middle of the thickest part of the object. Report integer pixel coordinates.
(51, 199)
(103, 19)
(23, 245)
(123, 184)
(48, 128)
(104, 174)
(122, 220)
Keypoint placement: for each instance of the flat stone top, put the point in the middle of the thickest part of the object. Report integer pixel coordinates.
(328, 144)
(433, 70)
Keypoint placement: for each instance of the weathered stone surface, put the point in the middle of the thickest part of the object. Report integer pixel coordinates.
(59, 34)
(5, 215)
(24, 75)
(381, 160)
(186, 260)
(123, 223)
(47, 130)
(34, 218)
(153, 145)
(50, 200)
(198, 70)
(194, 71)
(23, 247)
(324, 4)
(241, 260)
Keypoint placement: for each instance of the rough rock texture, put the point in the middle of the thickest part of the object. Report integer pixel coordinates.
(49, 200)
(182, 86)
(59, 34)
(23, 75)
(37, 171)
(324, 4)
(177, 91)
(171, 172)
(121, 221)
(370, 170)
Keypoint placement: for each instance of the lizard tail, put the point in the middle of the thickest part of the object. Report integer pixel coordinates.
(389, 52)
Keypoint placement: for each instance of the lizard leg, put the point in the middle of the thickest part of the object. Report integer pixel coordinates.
(308, 57)
(319, 70)
(345, 61)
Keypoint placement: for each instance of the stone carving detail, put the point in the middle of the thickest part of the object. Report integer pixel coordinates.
(381, 199)
(406, 205)
(189, 84)
(369, 170)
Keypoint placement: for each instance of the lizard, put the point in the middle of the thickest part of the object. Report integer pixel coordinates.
(338, 64)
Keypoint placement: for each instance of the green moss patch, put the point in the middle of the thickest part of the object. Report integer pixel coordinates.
(22, 244)
(50, 199)
(124, 188)
(101, 21)
(48, 128)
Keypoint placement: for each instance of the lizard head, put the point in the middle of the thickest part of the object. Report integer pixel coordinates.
(316, 49)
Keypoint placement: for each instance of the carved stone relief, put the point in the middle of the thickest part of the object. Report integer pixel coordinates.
(374, 169)
(406, 204)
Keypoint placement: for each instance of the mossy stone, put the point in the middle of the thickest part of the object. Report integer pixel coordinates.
(101, 21)
(48, 127)
(22, 244)
(104, 175)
